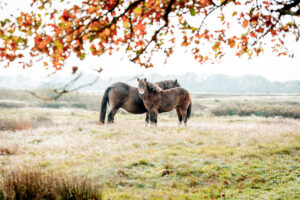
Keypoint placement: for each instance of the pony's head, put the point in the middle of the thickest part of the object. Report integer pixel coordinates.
(168, 84)
(176, 84)
(144, 85)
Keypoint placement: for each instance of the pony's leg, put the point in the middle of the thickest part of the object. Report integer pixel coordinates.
(153, 118)
(111, 115)
(179, 115)
(147, 118)
(184, 115)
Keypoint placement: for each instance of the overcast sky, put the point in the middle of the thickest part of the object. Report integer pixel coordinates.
(267, 65)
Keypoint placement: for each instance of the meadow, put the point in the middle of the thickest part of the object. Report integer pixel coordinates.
(234, 147)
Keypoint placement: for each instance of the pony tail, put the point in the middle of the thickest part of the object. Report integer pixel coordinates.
(104, 102)
(189, 110)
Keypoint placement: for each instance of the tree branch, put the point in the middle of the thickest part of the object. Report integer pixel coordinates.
(115, 19)
(65, 89)
(154, 37)
(271, 27)
(168, 10)
(286, 9)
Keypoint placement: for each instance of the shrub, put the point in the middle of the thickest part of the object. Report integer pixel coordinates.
(257, 110)
(32, 185)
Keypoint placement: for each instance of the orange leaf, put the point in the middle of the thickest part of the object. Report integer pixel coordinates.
(107, 31)
(231, 42)
(245, 23)
(126, 23)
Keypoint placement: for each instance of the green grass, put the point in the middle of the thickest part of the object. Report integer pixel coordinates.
(226, 157)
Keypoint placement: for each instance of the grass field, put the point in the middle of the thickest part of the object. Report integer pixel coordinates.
(214, 157)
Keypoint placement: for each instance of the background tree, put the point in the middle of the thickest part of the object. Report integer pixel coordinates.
(56, 29)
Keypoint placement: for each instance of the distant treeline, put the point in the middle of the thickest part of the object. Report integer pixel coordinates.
(217, 83)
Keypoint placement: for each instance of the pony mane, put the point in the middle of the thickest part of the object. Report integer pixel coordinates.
(153, 87)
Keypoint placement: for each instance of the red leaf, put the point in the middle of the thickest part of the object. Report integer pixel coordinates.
(252, 34)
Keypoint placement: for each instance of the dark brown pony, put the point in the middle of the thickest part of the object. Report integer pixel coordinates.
(157, 100)
(121, 95)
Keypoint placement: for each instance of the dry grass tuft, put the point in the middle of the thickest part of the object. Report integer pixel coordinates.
(20, 123)
(14, 124)
(31, 185)
(6, 151)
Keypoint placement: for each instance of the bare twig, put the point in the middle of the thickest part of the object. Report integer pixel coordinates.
(154, 38)
(199, 29)
(269, 29)
(215, 7)
(85, 85)
(64, 90)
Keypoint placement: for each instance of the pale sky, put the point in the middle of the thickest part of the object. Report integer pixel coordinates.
(181, 62)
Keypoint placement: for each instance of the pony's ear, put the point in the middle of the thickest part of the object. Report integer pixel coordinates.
(175, 81)
(145, 79)
(148, 86)
(138, 79)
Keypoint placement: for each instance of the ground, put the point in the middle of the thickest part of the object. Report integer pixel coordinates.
(226, 157)
(234, 147)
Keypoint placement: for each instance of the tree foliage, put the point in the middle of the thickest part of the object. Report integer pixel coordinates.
(56, 29)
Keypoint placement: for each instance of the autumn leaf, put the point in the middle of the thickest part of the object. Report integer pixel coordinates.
(192, 11)
(144, 27)
(222, 17)
(66, 15)
(231, 42)
(82, 56)
(245, 23)
(260, 30)
(126, 23)
(216, 46)
(138, 11)
(58, 44)
(252, 34)
(107, 31)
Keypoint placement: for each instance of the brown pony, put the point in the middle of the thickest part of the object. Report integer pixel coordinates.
(157, 100)
(121, 95)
